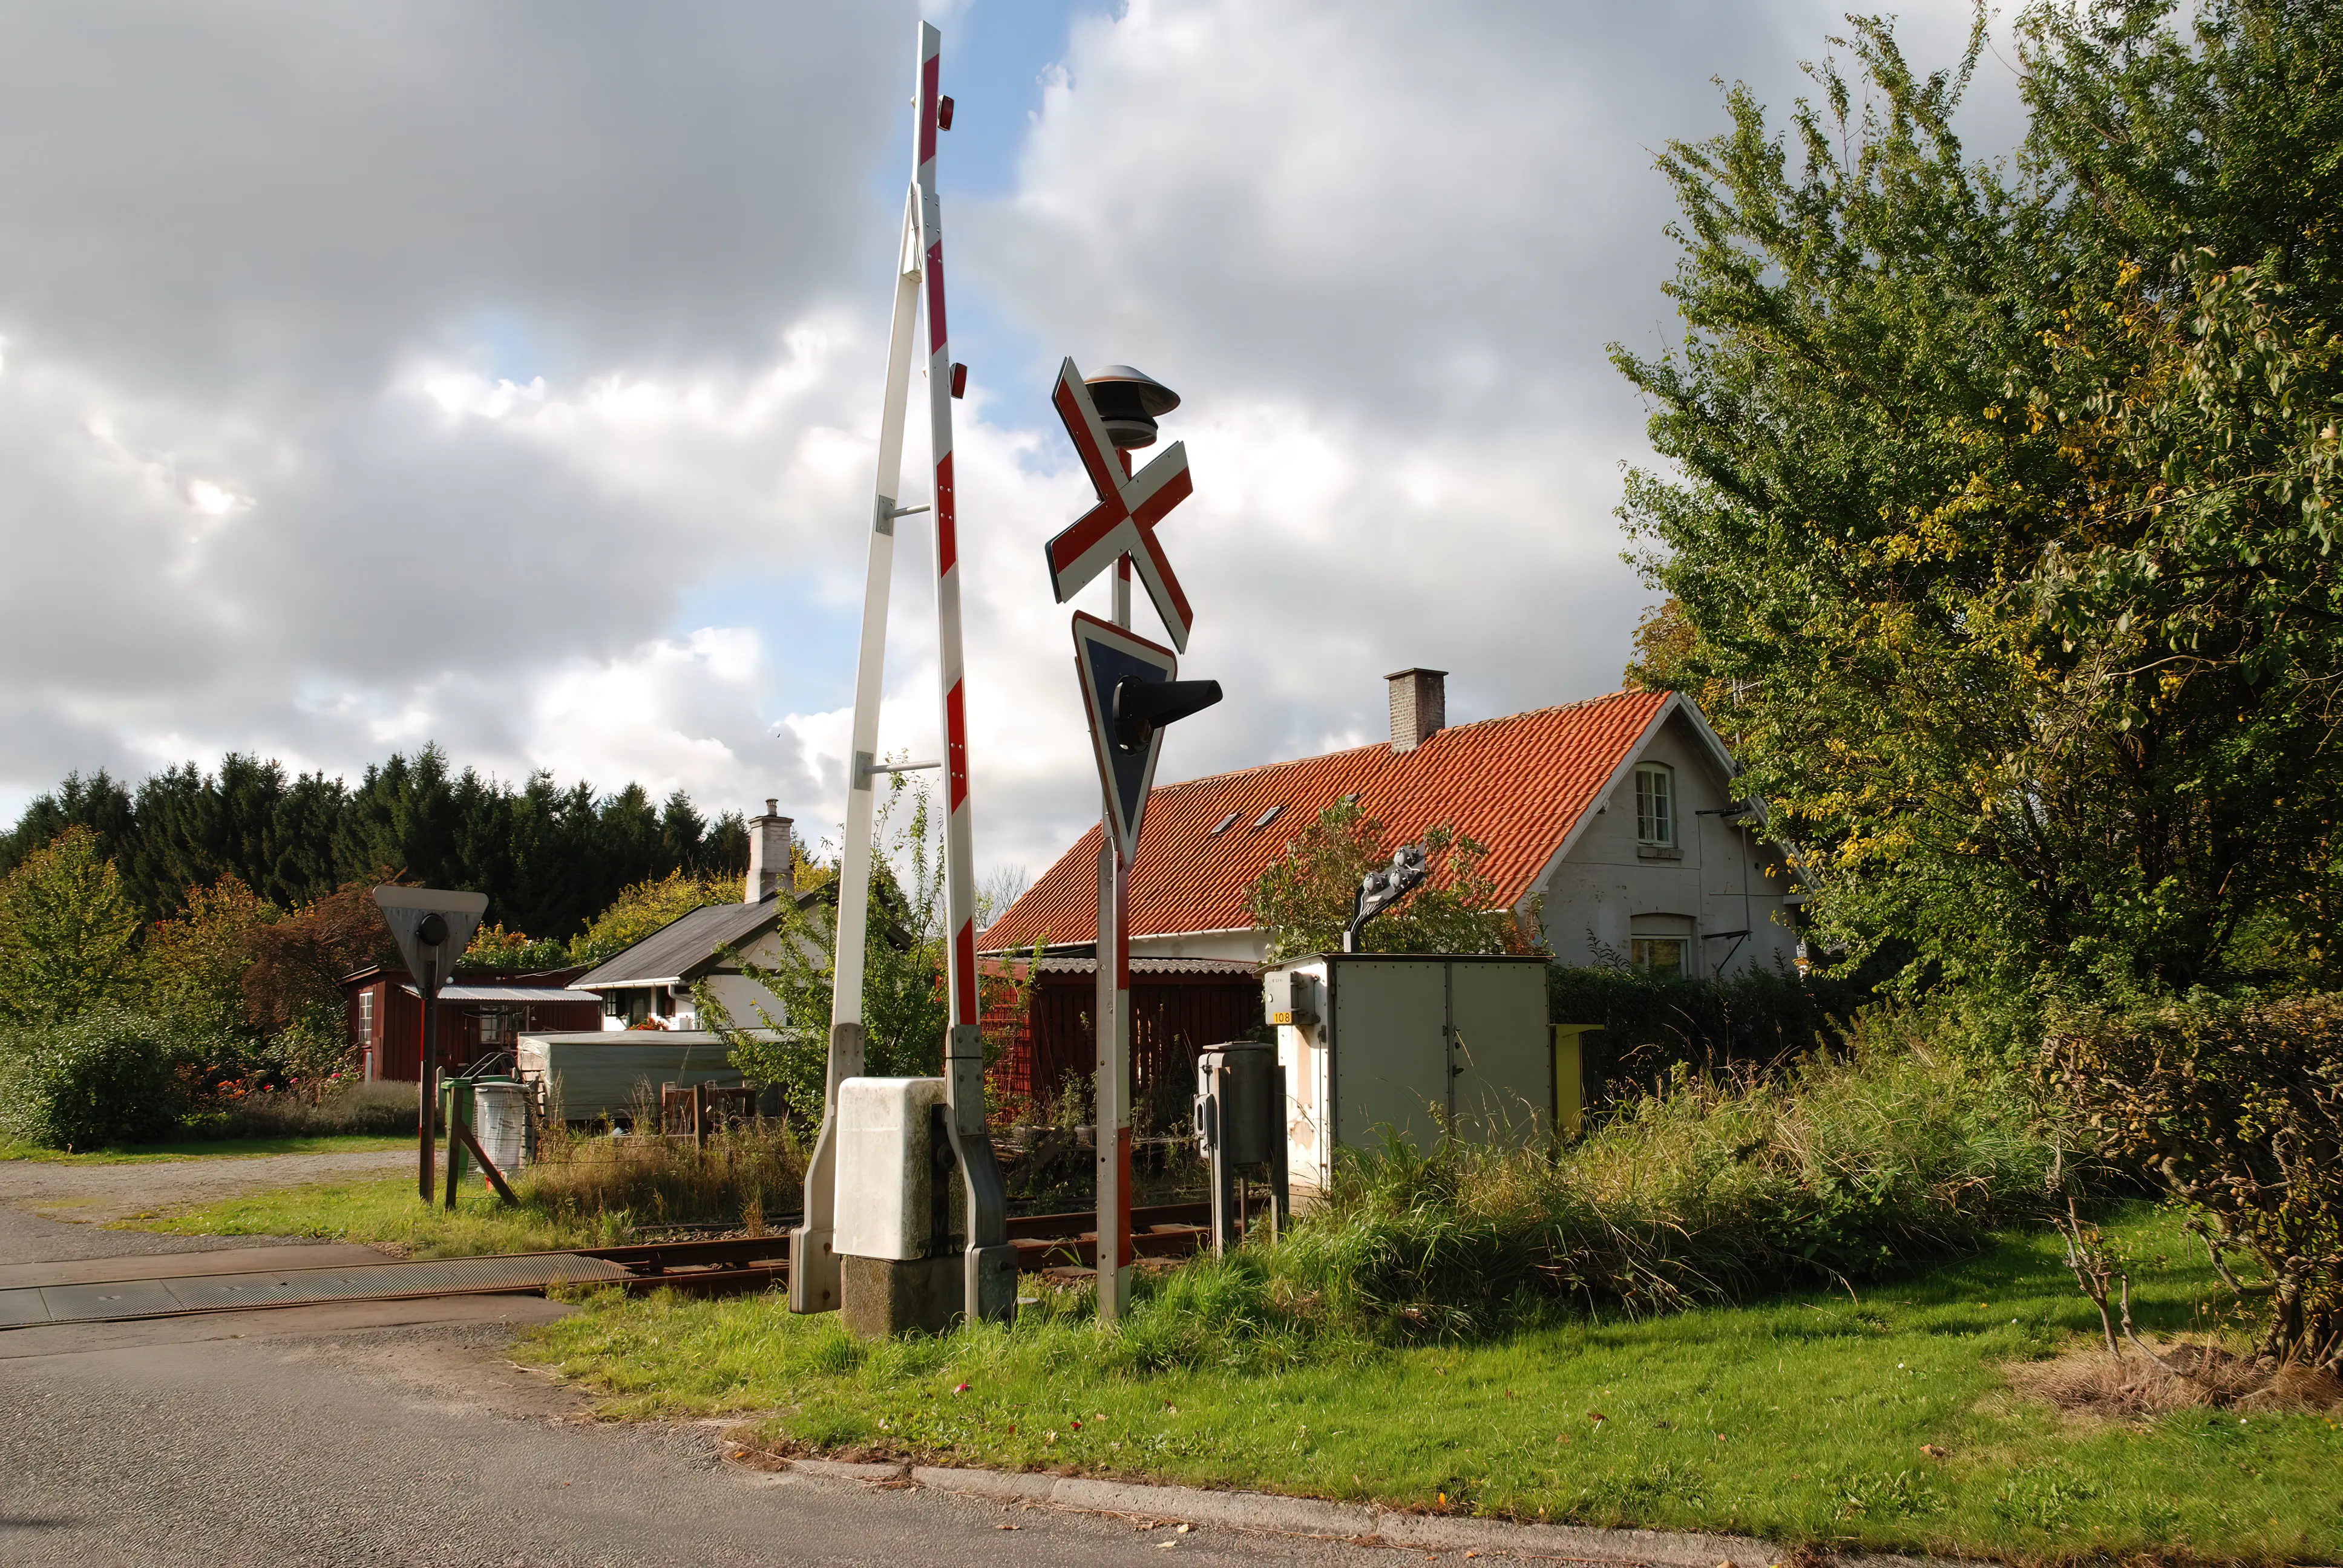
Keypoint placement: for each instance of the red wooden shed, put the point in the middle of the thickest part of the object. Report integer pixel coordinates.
(1178, 1007)
(482, 1012)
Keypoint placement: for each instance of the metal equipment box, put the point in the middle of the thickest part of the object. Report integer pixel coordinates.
(1241, 1123)
(582, 1077)
(1403, 1045)
(890, 1170)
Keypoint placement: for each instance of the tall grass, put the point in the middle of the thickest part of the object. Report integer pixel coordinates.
(1837, 1170)
(353, 1108)
(747, 1173)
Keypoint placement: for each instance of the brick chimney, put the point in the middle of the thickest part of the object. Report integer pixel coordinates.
(768, 854)
(1419, 706)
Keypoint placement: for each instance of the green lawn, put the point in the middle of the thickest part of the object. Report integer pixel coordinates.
(214, 1148)
(388, 1211)
(1801, 1420)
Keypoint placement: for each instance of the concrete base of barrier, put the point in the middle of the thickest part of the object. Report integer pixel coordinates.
(881, 1297)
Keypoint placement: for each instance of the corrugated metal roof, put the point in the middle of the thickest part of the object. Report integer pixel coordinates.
(684, 946)
(1073, 964)
(1516, 784)
(503, 993)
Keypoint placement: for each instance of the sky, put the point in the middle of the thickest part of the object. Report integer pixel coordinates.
(508, 377)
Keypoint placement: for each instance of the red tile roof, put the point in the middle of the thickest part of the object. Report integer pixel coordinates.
(1516, 784)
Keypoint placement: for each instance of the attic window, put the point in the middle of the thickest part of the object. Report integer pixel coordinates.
(1222, 826)
(1656, 805)
(1266, 817)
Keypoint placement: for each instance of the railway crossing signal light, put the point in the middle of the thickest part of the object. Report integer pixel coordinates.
(1143, 707)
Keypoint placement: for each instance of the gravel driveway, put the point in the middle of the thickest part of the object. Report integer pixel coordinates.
(97, 1193)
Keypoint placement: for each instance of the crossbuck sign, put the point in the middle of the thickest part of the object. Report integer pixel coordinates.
(1124, 521)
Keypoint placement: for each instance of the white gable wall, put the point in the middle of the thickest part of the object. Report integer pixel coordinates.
(740, 995)
(1600, 884)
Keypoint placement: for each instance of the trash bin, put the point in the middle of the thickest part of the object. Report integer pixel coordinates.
(500, 1122)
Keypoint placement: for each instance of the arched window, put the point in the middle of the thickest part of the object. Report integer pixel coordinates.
(1656, 805)
(1661, 944)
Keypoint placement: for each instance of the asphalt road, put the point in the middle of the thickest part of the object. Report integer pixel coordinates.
(397, 1433)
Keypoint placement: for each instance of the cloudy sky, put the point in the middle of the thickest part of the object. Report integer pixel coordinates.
(507, 376)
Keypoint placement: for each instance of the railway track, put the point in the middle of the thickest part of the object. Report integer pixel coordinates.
(1044, 1242)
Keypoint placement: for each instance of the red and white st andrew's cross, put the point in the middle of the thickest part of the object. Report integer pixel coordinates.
(1124, 521)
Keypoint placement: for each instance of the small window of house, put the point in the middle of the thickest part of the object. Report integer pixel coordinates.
(1222, 825)
(1656, 955)
(1266, 817)
(1661, 944)
(365, 1017)
(1656, 805)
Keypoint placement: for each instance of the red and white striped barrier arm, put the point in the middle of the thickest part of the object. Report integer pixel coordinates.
(960, 855)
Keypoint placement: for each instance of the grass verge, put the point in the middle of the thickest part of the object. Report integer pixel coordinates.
(580, 1191)
(206, 1149)
(388, 1213)
(1881, 1418)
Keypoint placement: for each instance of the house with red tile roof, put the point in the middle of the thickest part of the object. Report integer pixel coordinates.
(1613, 828)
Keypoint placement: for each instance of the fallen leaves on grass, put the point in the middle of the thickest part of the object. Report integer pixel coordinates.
(2188, 1377)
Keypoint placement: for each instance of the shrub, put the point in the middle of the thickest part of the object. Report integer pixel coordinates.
(1652, 1024)
(1840, 1169)
(103, 1077)
(2236, 1107)
(313, 1048)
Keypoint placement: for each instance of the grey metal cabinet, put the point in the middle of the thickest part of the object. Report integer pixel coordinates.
(1402, 1046)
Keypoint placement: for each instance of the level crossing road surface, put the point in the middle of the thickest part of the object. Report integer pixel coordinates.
(398, 1433)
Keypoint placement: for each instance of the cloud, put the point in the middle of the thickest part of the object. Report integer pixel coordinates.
(1381, 250)
(507, 376)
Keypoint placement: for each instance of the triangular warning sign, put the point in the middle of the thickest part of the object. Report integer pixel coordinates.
(1106, 655)
(406, 909)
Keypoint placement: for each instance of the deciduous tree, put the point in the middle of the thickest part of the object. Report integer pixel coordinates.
(1998, 516)
(68, 935)
(196, 964)
(1306, 896)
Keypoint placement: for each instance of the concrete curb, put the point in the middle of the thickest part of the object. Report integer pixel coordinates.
(846, 1469)
(1365, 1523)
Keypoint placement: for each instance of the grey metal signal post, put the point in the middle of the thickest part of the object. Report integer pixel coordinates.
(1130, 695)
(432, 927)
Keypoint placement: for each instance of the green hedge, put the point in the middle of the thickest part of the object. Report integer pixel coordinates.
(1651, 1024)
